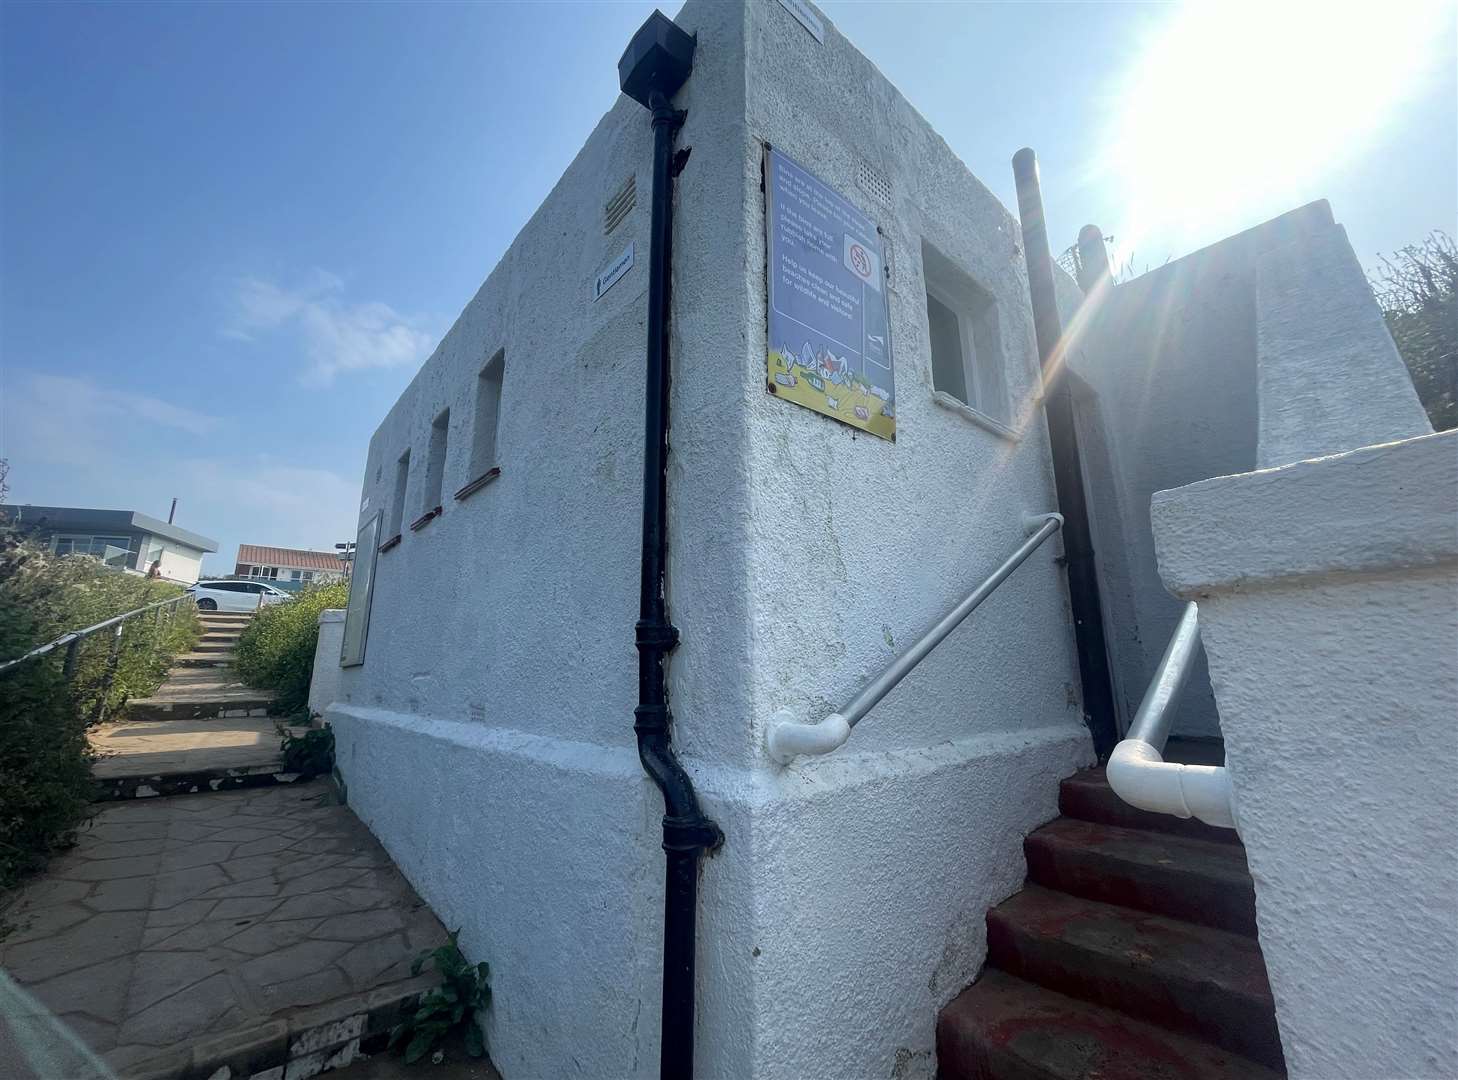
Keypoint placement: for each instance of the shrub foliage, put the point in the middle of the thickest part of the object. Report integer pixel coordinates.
(45, 762)
(276, 651)
(1417, 289)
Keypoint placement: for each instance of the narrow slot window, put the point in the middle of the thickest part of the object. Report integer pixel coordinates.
(485, 463)
(435, 462)
(488, 411)
(966, 345)
(397, 507)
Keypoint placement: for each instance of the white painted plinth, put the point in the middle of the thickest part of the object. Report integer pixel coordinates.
(1328, 595)
(324, 684)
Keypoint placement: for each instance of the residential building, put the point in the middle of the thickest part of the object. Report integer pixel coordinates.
(862, 437)
(288, 567)
(123, 539)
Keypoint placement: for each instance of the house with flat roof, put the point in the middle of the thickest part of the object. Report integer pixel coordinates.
(122, 539)
(287, 567)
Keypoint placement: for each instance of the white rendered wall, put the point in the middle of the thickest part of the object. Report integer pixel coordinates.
(876, 866)
(327, 676)
(487, 739)
(1328, 595)
(180, 564)
(1208, 366)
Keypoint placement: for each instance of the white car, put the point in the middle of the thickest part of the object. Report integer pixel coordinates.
(237, 595)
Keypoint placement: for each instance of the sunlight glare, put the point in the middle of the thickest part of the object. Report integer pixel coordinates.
(1235, 110)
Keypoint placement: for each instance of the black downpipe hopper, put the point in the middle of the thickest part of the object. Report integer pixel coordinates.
(653, 68)
(1083, 582)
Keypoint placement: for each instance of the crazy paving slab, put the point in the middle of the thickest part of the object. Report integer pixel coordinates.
(176, 921)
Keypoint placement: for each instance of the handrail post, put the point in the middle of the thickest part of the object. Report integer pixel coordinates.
(99, 713)
(68, 668)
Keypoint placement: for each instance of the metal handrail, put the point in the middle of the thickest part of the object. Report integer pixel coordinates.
(1137, 770)
(1151, 722)
(73, 639)
(787, 738)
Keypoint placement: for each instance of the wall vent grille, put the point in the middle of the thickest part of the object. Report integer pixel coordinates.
(873, 184)
(620, 205)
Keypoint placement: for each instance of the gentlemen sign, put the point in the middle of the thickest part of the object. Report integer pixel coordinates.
(829, 324)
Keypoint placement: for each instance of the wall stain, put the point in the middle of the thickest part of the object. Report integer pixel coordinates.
(910, 1063)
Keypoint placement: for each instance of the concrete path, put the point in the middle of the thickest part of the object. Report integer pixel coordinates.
(252, 929)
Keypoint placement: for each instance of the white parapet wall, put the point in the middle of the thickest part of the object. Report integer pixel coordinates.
(487, 739)
(324, 683)
(1328, 597)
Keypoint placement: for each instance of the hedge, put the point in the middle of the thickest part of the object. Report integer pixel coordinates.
(276, 651)
(45, 760)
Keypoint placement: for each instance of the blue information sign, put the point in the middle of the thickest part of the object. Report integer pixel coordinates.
(829, 323)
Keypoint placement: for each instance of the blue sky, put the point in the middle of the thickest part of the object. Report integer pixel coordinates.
(229, 234)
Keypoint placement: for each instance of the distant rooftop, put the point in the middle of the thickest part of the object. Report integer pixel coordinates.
(82, 519)
(293, 558)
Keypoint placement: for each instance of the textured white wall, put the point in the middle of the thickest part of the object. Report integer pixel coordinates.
(488, 737)
(324, 684)
(877, 864)
(1211, 365)
(1328, 595)
(1330, 376)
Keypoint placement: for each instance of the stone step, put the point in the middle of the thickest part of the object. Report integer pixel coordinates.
(1003, 1028)
(1190, 979)
(147, 758)
(209, 644)
(1086, 795)
(1158, 872)
(193, 782)
(200, 693)
(203, 659)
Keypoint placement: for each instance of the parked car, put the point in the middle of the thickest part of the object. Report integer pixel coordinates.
(236, 595)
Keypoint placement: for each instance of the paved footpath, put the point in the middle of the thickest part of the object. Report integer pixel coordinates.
(240, 929)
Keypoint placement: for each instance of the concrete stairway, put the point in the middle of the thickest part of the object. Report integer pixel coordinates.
(200, 686)
(1130, 953)
(203, 730)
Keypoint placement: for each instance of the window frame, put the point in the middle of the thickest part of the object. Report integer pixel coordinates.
(985, 379)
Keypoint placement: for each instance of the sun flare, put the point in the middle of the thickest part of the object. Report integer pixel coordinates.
(1235, 109)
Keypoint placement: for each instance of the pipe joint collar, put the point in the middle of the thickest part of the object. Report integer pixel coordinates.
(655, 635)
(650, 719)
(691, 833)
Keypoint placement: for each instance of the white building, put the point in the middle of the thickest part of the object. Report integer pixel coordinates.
(287, 566)
(485, 718)
(122, 539)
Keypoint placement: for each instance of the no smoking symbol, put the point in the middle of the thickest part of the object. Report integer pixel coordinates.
(860, 261)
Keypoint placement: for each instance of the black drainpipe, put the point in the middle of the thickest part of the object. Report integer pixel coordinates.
(1083, 582)
(656, 63)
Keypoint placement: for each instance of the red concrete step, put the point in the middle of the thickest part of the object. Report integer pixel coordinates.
(1197, 880)
(1087, 796)
(1190, 979)
(1002, 1028)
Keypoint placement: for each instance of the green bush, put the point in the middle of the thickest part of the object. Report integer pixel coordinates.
(276, 651)
(45, 761)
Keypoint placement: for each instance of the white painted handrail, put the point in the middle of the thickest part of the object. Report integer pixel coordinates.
(787, 738)
(1137, 770)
